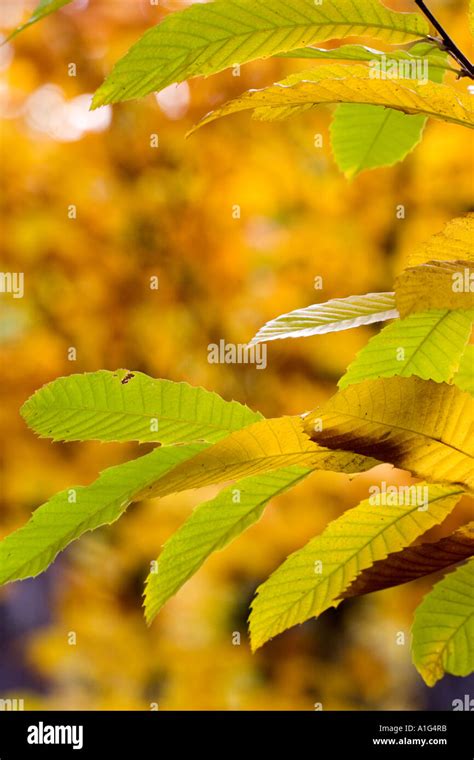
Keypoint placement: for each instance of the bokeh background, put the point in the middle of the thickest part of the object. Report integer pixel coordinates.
(170, 212)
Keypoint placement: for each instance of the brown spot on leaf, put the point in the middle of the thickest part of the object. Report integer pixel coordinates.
(413, 563)
(380, 447)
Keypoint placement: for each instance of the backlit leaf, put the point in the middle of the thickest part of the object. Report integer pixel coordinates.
(211, 527)
(206, 38)
(435, 285)
(428, 344)
(415, 424)
(332, 316)
(414, 562)
(312, 579)
(339, 83)
(130, 406)
(43, 9)
(464, 378)
(437, 60)
(443, 629)
(262, 447)
(32, 548)
(453, 243)
(365, 137)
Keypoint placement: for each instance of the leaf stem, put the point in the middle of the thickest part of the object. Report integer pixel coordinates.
(467, 68)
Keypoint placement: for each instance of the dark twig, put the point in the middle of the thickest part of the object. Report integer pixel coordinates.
(448, 44)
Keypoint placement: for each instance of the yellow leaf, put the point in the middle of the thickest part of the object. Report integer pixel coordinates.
(262, 447)
(414, 562)
(453, 243)
(339, 83)
(312, 579)
(417, 425)
(435, 285)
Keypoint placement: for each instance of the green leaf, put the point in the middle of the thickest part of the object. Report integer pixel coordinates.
(338, 83)
(312, 579)
(464, 379)
(207, 38)
(368, 137)
(332, 316)
(130, 406)
(428, 344)
(44, 8)
(265, 446)
(438, 60)
(443, 629)
(415, 562)
(32, 548)
(415, 424)
(166, 470)
(210, 528)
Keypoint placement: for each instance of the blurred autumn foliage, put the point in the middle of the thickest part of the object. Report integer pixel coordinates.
(171, 212)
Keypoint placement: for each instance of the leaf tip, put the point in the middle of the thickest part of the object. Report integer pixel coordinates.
(98, 100)
(256, 642)
(430, 674)
(257, 638)
(193, 130)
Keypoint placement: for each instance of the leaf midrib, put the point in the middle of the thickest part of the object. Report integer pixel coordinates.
(362, 161)
(228, 534)
(340, 99)
(46, 551)
(190, 53)
(426, 338)
(140, 415)
(391, 426)
(438, 661)
(364, 546)
(308, 27)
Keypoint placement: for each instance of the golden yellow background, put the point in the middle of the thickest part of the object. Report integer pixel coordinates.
(168, 212)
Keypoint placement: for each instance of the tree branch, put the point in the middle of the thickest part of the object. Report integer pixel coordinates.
(467, 69)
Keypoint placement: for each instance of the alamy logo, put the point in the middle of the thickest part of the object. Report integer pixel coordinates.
(12, 282)
(231, 353)
(466, 704)
(416, 69)
(463, 282)
(11, 705)
(41, 734)
(400, 496)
